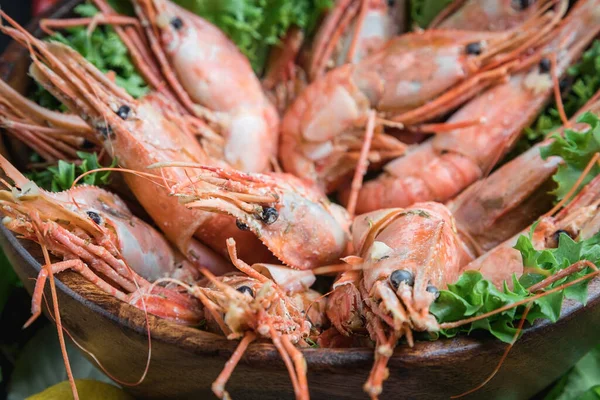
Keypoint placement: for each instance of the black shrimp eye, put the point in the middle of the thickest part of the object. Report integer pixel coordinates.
(521, 4)
(269, 215)
(401, 275)
(556, 235)
(105, 130)
(241, 226)
(94, 216)
(474, 48)
(87, 144)
(246, 290)
(545, 65)
(391, 3)
(177, 23)
(123, 112)
(432, 289)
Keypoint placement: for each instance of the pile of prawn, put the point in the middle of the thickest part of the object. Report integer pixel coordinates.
(236, 173)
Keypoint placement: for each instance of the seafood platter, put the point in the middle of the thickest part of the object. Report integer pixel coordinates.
(376, 207)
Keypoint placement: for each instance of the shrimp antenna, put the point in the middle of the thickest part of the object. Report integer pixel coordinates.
(151, 177)
(502, 359)
(557, 95)
(59, 327)
(362, 164)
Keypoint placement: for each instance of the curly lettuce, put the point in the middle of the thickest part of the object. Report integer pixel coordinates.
(577, 150)
(473, 295)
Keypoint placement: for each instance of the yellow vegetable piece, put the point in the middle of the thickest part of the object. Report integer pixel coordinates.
(88, 390)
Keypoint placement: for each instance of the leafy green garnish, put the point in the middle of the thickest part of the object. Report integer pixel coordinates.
(591, 394)
(586, 82)
(581, 382)
(585, 76)
(61, 177)
(472, 295)
(40, 365)
(576, 149)
(104, 49)
(422, 12)
(256, 25)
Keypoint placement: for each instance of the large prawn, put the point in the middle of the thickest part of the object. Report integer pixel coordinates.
(322, 131)
(495, 208)
(443, 166)
(405, 256)
(96, 235)
(205, 74)
(212, 79)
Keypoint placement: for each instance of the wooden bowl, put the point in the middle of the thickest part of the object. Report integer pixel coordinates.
(185, 361)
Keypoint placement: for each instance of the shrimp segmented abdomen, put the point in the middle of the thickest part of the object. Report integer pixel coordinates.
(445, 165)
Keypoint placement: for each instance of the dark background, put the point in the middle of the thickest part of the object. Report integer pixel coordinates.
(17, 9)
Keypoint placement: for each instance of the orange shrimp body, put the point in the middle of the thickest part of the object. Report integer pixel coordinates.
(241, 311)
(499, 206)
(443, 166)
(322, 131)
(405, 256)
(250, 306)
(491, 15)
(580, 220)
(422, 241)
(96, 235)
(299, 225)
(216, 75)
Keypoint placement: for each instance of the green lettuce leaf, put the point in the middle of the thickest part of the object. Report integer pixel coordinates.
(581, 382)
(61, 177)
(576, 149)
(472, 295)
(104, 49)
(422, 12)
